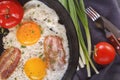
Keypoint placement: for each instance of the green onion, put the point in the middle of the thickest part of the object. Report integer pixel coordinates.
(15, 78)
(2, 30)
(41, 55)
(83, 18)
(76, 10)
(64, 2)
(22, 46)
(23, 52)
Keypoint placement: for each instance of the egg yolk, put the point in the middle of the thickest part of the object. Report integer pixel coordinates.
(35, 69)
(28, 33)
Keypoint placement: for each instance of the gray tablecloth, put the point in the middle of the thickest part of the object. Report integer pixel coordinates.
(110, 10)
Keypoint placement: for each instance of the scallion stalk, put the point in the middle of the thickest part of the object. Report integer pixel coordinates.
(64, 2)
(83, 18)
(76, 10)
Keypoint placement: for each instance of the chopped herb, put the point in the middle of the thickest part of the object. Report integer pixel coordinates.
(1, 30)
(38, 5)
(39, 26)
(45, 19)
(7, 42)
(22, 52)
(33, 31)
(20, 24)
(15, 78)
(41, 55)
(5, 33)
(41, 31)
(52, 61)
(17, 26)
(35, 19)
(10, 41)
(40, 43)
(49, 20)
(49, 46)
(43, 58)
(51, 29)
(22, 46)
(33, 13)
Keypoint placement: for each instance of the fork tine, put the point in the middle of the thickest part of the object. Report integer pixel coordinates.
(92, 13)
(88, 11)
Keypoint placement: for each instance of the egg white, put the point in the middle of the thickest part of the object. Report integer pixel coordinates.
(48, 20)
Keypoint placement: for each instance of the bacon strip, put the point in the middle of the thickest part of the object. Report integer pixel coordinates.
(8, 62)
(54, 52)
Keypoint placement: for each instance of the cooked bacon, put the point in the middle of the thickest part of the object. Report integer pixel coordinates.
(54, 52)
(8, 62)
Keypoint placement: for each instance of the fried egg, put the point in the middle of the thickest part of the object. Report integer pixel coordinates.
(35, 68)
(38, 22)
(28, 33)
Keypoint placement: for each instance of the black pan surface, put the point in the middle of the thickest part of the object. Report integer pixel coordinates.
(71, 35)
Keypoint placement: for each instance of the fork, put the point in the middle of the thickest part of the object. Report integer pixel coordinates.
(111, 31)
(107, 24)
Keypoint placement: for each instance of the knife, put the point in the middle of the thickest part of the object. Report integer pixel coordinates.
(111, 27)
(113, 40)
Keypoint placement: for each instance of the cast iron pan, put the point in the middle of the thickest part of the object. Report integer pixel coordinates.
(71, 35)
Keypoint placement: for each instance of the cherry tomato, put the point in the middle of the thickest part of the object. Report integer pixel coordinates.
(104, 53)
(11, 13)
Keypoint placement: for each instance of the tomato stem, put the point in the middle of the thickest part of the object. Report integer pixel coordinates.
(7, 15)
(95, 50)
(7, 10)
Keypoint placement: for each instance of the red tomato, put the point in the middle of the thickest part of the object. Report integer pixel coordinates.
(104, 53)
(11, 13)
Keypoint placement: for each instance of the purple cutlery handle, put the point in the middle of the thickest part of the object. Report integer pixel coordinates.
(111, 27)
(114, 41)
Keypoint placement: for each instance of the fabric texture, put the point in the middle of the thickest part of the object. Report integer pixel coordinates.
(111, 10)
